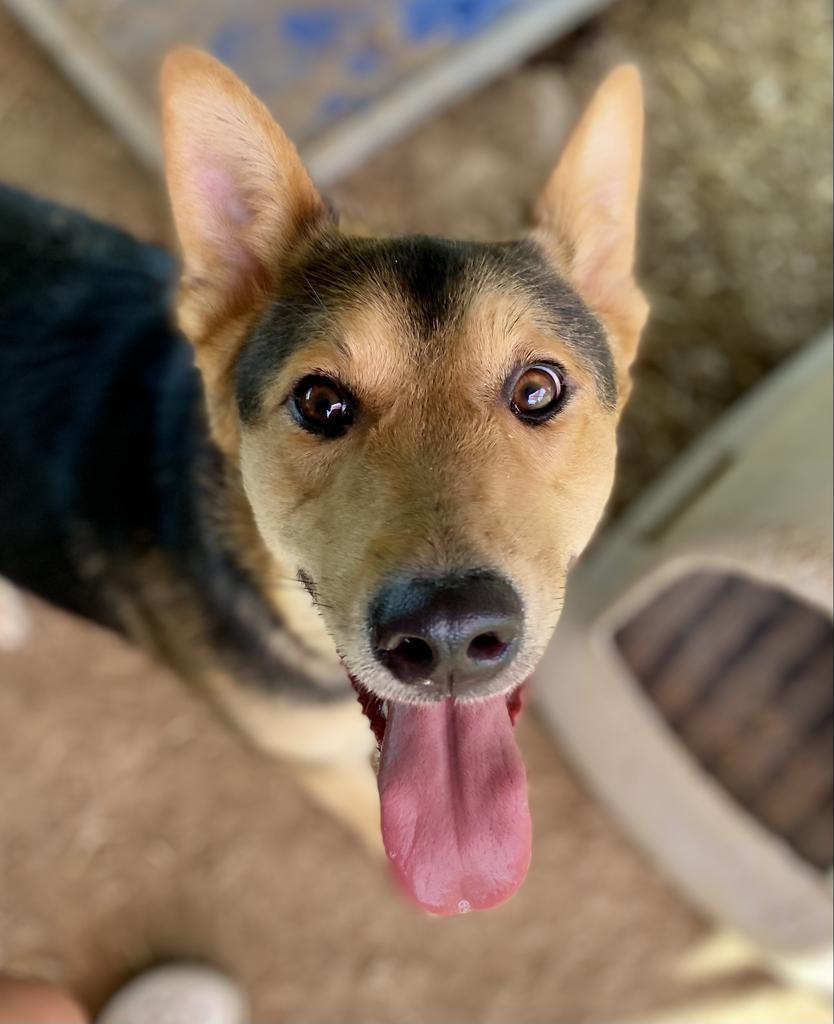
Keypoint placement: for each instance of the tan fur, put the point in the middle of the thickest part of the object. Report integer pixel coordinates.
(587, 212)
(241, 200)
(440, 476)
(328, 746)
(444, 479)
(240, 195)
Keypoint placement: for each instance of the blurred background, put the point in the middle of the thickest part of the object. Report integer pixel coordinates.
(134, 827)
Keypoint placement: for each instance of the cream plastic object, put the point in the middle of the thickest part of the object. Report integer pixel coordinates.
(754, 497)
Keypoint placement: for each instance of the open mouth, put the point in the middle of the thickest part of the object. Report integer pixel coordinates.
(453, 795)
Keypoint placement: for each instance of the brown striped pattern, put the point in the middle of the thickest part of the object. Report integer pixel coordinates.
(743, 674)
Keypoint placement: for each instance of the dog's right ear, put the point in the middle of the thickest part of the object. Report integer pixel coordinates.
(587, 214)
(240, 195)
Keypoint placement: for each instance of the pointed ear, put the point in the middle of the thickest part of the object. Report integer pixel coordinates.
(586, 215)
(240, 195)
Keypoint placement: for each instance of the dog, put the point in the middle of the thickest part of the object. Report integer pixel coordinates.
(354, 460)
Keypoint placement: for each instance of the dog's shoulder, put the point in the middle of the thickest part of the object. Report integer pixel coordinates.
(87, 352)
(39, 238)
(85, 310)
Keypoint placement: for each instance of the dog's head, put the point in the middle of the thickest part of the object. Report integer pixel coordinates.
(425, 428)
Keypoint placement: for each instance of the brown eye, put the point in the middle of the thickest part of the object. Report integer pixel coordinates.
(538, 393)
(322, 406)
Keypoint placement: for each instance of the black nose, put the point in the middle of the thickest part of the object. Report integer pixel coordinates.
(455, 631)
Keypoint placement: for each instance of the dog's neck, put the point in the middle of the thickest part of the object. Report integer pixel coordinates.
(275, 577)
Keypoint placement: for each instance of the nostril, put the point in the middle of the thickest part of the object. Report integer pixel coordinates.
(413, 650)
(447, 631)
(411, 659)
(486, 647)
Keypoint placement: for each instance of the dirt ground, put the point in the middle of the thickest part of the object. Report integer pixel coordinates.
(136, 828)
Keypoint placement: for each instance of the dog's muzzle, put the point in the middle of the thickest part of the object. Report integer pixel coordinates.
(448, 634)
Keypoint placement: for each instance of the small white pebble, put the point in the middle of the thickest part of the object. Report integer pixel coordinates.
(14, 618)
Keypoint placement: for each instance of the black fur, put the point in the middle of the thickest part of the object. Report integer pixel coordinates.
(106, 465)
(435, 278)
(105, 457)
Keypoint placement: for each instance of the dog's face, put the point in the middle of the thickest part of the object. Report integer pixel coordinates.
(425, 429)
(430, 445)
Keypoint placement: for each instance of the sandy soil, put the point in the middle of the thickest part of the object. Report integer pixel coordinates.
(136, 827)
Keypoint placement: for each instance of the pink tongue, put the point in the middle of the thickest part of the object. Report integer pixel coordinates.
(455, 820)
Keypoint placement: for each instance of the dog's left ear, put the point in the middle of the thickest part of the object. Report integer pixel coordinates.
(240, 195)
(586, 215)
